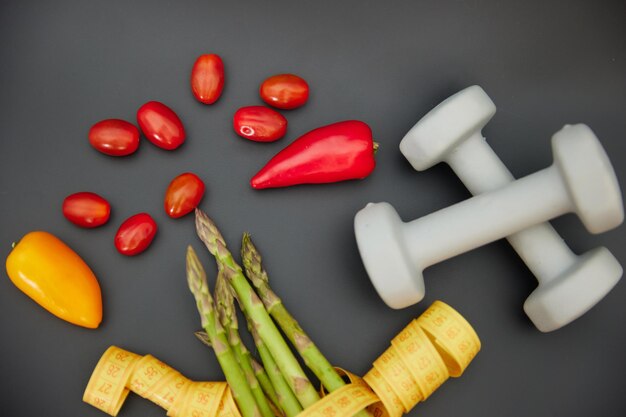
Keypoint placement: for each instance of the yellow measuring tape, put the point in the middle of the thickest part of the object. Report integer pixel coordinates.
(437, 345)
(118, 372)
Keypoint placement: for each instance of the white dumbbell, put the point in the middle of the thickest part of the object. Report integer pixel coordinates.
(569, 285)
(580, 180)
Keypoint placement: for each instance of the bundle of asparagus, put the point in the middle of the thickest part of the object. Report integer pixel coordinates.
(279, 386)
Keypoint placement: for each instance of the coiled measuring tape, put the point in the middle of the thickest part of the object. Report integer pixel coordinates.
(118, 372)
(437, 345)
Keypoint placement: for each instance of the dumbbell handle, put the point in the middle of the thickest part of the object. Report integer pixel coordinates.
(487, 217)
(481, 170)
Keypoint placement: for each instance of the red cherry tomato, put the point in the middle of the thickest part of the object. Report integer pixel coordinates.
(285, 91)
(86, 209)
(207, 78)
(183, 195)
(259, 123)
(114, 137)
(135, 234)
(161, 125)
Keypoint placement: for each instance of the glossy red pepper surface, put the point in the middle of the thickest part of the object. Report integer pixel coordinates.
(259, 123)
(285, 91)
(114, 137)
(207, 78)
(337, 152)
(183, 195)
(135, 234)
(161, 125)
(86, 209)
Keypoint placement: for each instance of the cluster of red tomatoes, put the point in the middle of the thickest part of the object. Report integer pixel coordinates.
(257, 123)
(162, 127)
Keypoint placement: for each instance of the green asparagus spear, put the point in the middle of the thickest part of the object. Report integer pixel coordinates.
(228, 317)
(235, 377)
(266, 381)
(312, 356)
(266, 386)
(287, 363)
(287, 400)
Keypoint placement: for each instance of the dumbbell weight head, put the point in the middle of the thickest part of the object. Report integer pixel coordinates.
(446, 126)
(379, 231)
(560, 301)
(588, 177)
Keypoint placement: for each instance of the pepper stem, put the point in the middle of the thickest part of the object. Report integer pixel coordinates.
(375, 147)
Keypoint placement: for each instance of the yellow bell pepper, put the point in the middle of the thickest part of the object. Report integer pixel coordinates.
(54, 276)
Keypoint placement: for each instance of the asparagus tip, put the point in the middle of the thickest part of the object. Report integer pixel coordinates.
(208, 232)
(252, 262)
(197, 282)
(225, 300)
(203, 337)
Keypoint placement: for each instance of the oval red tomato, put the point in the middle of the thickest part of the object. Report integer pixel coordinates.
(114, 137)
(285, 91)
(135, 234)
(207, 78)
(86, 209)
(161, 125)
(259, 123)
(183, 195)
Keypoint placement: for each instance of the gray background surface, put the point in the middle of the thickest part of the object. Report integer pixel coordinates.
(65, 65)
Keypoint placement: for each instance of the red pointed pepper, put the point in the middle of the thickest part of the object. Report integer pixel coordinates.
(337, 152)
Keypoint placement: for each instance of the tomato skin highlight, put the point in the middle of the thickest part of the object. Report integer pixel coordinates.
(285, 91)
(207, 78)
(86, 209)
(56, 278)
(183, 195)
(161, 125)
(114, 137)
(135, 234)
(259, 124)
(336, 152)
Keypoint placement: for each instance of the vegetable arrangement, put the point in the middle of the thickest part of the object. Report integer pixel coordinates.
(337, 152)
(54, 276)
(218, 320)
